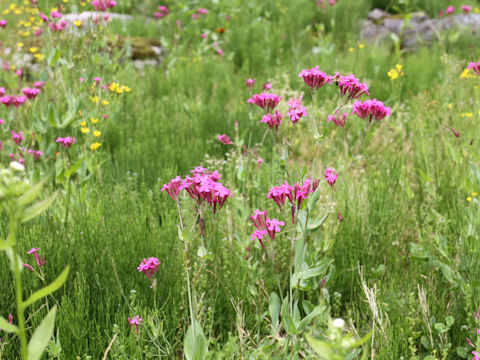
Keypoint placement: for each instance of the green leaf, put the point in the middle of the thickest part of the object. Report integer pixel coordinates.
(274, 308)
(195, 344)
(9, 252)
(287, 320)
(35, 210)
(73, 169)
(54, 57)
(5, 245)
(42, 335)
(322, 348)
(313, 199)
(308, 319)
(31, 194)
(449, 320)
(7, 327)
(362, 340)
(317, 223)
(202, 251)
(47, 290)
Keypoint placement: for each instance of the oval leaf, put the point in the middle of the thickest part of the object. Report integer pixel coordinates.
(47, 290)
(7, 327)
(35, 210)
(42, 335)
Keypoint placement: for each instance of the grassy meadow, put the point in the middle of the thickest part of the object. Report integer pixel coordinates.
(392, 248)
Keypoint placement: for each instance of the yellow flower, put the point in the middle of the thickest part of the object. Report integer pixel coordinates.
(399, 67)
(469, 199)
(83, 124)
(20, 44)
(94, 120)
(469, 115)
(105, 102)
(33, 50)
(78, 23)
(393, 74)
(474, 194)
(39, 56)
(361, 46)
(94, 99)
(476, 10)
(466, 74)
(95, 146)
(84, 130)
(450, 106)
(351, 49)
(97, 133)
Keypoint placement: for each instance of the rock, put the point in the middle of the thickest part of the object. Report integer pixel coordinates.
(419, 29)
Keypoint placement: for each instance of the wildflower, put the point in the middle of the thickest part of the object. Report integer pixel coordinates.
(339, 217)
(39, 84)
(173, 188)
(149, 266)
(35, 153)
(474, 194)
(351, 85)
(258, 235)
(97, 133)
(84, 130)
(103, 5)
(66, 142)
(30, 93)
(93, 120)
(40, 261)
(371, 109)
(273, 226)
(455, 132)
(272, 119)
(3, 23)
(469, 199)
(449, 10)
(331, 176)
(162, 12)
(250, 82)
(55, 14)
(475, 66)
(202, 11)
(220, 52)
(17, 137)
(94, 146)
(265, 100)
(28, 267)
(260, 161)
(280, 193)
(203, 35)
(224, 139)
(2, 121)
(267, 86)
(97, 80)
(296, 110)
(77, 23)
(137, 320)
(265, 226)
(392, 74)
(466, 9)
(315, 78)
(2, 91)
(476, 355)
(337, 120)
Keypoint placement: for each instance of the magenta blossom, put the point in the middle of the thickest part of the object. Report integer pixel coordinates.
(267, 86)
(28, 267)
(2, 121)
(224, 139)
(265, 226)
(39, 84)
(17, 137)
(265, 100)
(66, 142)
(202, 11)
(331, 176)
(371, 110)
(137, 320)
(250, 82)
(296, 110)
(35, 153)
(475, 66)
(337, 120)
(55, 15)
(3, 23)
(466, 9)
(103, 5)
(260, 161)
(2, 91)
(273, 120)
(162, 12)
(30, 93)
(315, 78)
(352, 86)
(40, 261)
(149, 266)
(449, 10)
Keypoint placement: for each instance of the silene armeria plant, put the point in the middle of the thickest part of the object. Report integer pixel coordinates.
(293, 213)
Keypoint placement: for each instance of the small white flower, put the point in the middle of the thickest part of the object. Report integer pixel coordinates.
(338, 323)
(14, 165)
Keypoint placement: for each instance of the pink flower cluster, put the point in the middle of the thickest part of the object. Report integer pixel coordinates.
(149, 266)
(265, 226)
(11, 100)
(200, 12)
(137, 320)
(371, 110)
(296, 110)
(66, 142)
(225, 140)
(331, 176)
(315, 78)
(295, 194)
(449, 10)
(52, 24)
(337, 119)
(103, 5)
(21, 151)
(3, 23)
(162, 12)
(350, 85)
(265, 100)
(39, 260)
(249, 83)
(466, 9)
(475, 66)
(17, 137)
(272, 120)
(202, 186)
(31, 93)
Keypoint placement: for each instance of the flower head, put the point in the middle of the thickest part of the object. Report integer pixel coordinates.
(30, 93)
(66, 142)
(475, 66)
(17, 137)
(331, 176)
(296, 110)
(273, 120)
(352, 87)
(371, 110)
(250, 82)
(315, 78)
(224, 139)
(40, 261)
(466, 9)
(264, 100)
(137, 320)
(162, 12)
(337, 119)
(3, 23)
(449, 10)
(149, 266)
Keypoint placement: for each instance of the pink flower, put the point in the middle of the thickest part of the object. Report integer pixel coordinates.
(265, 100)
(39, 84)
(220, 52)
(195, 16)
(202, 11)
(66, 142)
(331, 176)
(137, 320)
(43, 17)
(162, 12)
(203, 35)
(260, 161)
(265, 226)
(38, 32)
(40, 261)
(250, 82)
(296, 110)
(30, 93)
(466, 9)
(315, 78)
(273, 226)
(258, 235)
(371, 110)
(273, 120)
(17, 137)
(339, 217)
(280, 193)
(476, 355)
(3, 23)
(455, 132)
(97, 80)
(224, 139)
(149, 266)
(351, 85)
(103, 5)
(2, 121)
(55, 15)
(337, 120)
(28, 267)
(2, 91)
(475, 66)
(267, 86)
(449, 10)
(35, 153)
(173, 188)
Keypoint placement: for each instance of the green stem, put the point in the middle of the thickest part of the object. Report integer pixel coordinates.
(18, 286)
